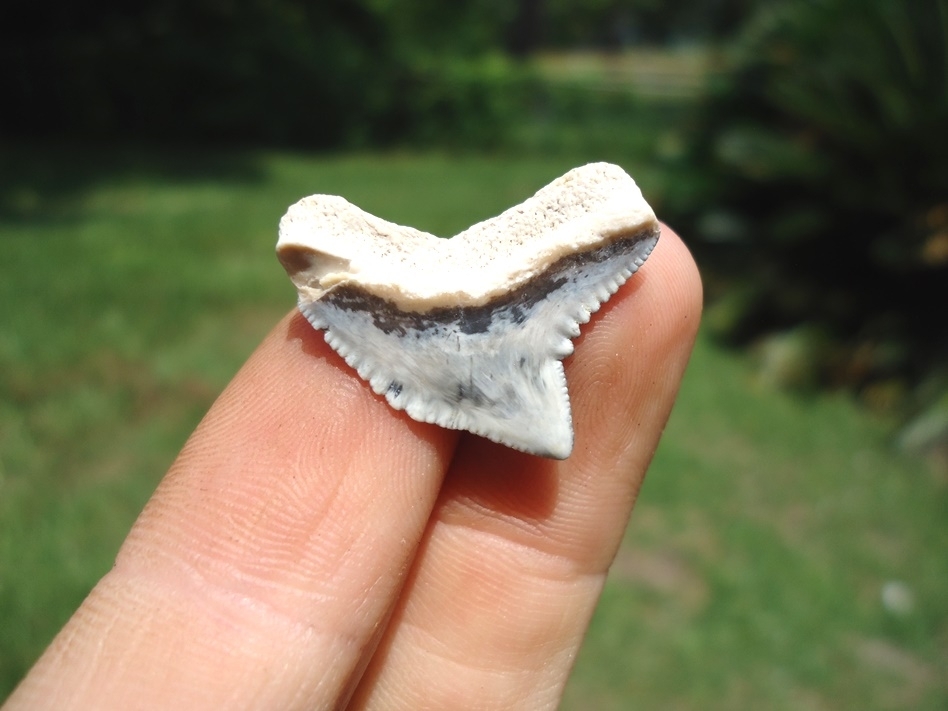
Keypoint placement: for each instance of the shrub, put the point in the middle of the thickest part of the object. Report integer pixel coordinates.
(466, 102)
(332, 74)
(818, 189)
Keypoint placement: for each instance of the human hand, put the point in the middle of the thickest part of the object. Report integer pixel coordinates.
(313, 548)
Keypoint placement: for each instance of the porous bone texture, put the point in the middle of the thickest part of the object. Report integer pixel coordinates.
(469, 333)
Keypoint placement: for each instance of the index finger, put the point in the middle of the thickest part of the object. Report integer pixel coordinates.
(265, 563)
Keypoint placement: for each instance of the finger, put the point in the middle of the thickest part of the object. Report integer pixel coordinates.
(262, 569)
(518, 548)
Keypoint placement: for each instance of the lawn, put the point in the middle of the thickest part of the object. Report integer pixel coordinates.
(781, 555)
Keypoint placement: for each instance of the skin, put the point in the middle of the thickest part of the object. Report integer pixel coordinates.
(311, 548)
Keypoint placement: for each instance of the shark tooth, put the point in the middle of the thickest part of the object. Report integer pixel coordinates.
(469, 332)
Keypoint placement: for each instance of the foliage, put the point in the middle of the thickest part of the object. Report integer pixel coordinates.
(333, 74)
(329, 74)
(817, 184)
(619, 23)
(461, 102)
(211, 70)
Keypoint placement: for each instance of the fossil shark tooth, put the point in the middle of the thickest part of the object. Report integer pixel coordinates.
(469, 332)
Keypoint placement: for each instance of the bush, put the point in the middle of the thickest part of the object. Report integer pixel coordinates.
(205, 71)
(818, 192)
(465, 102)
(332, 74)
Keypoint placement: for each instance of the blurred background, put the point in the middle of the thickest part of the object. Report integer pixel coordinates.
(788, 550)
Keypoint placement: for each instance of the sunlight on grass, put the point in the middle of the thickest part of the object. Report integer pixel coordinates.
(754, 569)
(657, 74)
(780, 556)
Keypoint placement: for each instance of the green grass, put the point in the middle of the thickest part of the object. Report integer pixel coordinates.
(753, 569)
(133, 284)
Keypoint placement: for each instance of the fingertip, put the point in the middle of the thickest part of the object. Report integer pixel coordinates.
(680, 281)
(647, 330)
